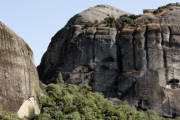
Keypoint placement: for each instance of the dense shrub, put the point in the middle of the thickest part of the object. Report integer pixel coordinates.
(126, 20)
(9, 117)
(70, 102)
(121, 22)
(110, 22)
(166, 7)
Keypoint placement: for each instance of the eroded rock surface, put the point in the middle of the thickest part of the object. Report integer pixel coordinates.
(85, 56)
(150, 79)
(140, 64)
(18, 75)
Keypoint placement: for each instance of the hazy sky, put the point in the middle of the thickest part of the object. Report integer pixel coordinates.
(36, 21)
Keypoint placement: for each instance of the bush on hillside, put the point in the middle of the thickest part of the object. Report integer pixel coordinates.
(9, 117)
(71, 102)
(66, 101)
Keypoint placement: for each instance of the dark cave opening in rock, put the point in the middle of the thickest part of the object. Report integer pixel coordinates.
(174, 83)
(108, 59)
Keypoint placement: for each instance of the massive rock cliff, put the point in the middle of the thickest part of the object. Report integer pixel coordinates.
(139, 64)
(18, 75)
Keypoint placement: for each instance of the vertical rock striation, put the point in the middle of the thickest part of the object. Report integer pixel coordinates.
(138, 64)
(81, 54)
(18, 75)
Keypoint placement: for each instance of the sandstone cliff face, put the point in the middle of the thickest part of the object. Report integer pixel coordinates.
(18, 75)
(83, 56)
(152, 73)
(140, 65)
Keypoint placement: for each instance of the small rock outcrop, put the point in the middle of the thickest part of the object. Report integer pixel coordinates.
(18, 74)
(138, 64)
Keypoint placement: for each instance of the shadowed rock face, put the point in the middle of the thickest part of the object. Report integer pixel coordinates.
(82, 56)
(150, 78)
(140, 65)
(18, 74)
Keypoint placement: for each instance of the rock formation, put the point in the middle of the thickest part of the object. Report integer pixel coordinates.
(18, 74)
(139, 64)
(97, 13)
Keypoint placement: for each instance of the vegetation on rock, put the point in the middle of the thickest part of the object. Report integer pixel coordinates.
(129, 20)
(119, 23)
(165, 8)
(9, 117)
(71, 102)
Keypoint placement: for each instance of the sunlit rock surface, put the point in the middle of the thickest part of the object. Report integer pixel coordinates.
(18, 75)
(140, 64)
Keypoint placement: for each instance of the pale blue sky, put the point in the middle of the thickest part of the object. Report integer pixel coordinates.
(36, 21)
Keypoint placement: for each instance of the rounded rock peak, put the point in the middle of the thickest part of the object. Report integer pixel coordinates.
(96, 13)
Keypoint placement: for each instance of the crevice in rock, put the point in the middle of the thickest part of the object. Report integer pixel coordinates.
(162, 44)
(164, 58)
(170, 37)
(94, 40)
(164, 54)
(146, 47)
(119, 55)
(93, 59)
(169, 105)
(134, 54)
(162, 37)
